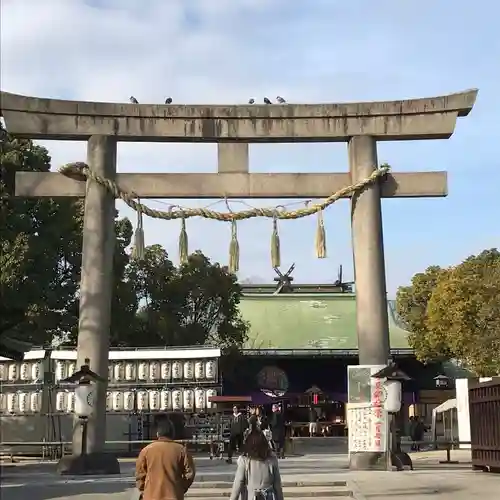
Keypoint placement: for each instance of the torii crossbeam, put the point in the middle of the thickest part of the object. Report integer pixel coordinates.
(361, 125)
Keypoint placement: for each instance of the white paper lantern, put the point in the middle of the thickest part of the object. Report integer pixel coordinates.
(60, 370)
(142, 400)
(188, 370)
(13, 375)
(61, 401)
(24, 402)
(12, 402)
(210, 370)
(3, 402)
(3, 372)
(130, 373)
(166, 370)
(143, 371)
(176, 400)
(109, 401)
(25, 372)
(71, 405)
(118, 371)
(199, 370)
(200, 399)
(128, 401)
(71, 369)
(176, 370)
(35, 402)
(110, 372)
(84, 400)
(166, 400)
(188, 399)
(210, 393)
(117, 400)
(394, 392)
(154, 370)
(36, 371)
(154, 400)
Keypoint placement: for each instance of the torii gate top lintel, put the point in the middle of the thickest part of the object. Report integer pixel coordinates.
(426, 118)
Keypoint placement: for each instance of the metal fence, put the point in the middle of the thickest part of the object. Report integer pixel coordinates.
(484, 404)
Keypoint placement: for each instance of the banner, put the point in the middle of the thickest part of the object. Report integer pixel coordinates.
(366, 418)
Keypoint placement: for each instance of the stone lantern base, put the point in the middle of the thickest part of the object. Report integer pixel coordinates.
(90, 464)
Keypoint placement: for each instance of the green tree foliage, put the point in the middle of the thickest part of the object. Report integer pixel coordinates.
(455, 313)
(154, 302)
(411, 305)
(40, 256)
(39, 251)
(195, 304)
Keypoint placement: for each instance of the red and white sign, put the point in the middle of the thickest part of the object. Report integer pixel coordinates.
(368, 421)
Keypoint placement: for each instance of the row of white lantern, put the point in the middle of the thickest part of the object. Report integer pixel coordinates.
(151, 400)
(163, 370)
(20, 402)
(24, 372)
(121, 371)
(118, 371)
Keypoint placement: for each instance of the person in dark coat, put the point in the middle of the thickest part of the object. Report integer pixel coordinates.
(419, 432)
(262, 418)
(253, 420)
(277, 423)
(238, 426)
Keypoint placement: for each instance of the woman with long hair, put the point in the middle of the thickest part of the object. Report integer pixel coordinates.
(258, 474)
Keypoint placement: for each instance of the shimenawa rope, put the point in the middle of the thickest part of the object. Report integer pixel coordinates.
(81, 171)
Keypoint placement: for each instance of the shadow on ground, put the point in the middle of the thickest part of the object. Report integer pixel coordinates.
(63, 491)
(414, 492)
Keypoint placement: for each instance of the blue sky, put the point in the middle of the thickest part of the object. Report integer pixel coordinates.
(224, 51)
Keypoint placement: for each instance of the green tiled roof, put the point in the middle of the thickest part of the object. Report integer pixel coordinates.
(302, 321)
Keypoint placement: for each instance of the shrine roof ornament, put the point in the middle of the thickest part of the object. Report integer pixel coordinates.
(426, 118)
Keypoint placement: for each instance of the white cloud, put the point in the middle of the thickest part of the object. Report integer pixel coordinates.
(225, 51)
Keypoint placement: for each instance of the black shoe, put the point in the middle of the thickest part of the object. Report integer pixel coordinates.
(229, 461)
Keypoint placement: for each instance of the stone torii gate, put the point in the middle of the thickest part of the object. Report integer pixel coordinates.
(102, 125)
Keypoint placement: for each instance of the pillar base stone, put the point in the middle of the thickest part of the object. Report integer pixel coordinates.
(97, 464)
(368, 460)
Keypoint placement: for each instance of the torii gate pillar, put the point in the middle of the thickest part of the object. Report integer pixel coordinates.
(372, 321)
(232, 127)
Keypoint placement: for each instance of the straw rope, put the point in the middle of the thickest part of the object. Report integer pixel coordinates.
(81, 171)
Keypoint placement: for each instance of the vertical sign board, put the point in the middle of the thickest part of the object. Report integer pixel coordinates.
(367, 419)
(463, 411)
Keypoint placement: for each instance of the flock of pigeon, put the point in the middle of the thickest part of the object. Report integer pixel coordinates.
(168, 100)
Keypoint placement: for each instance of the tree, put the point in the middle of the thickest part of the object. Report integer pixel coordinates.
(40, 256)
(411, 306)
(455, 313)
(465, 310)
(39, 251)
(195, 304)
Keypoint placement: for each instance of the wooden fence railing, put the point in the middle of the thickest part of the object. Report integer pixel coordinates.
(484, 405)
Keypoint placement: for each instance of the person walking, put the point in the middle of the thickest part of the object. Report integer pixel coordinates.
(238, 426)
(419, 433)
(164, 469)
(253, 419)
(313, 422)
(413, 433)
(258, 475)
(278, 430)
(263, 423)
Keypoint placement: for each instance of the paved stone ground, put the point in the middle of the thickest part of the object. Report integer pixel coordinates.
(319, 475)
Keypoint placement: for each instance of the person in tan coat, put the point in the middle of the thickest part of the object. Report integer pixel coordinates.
(164, 469)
